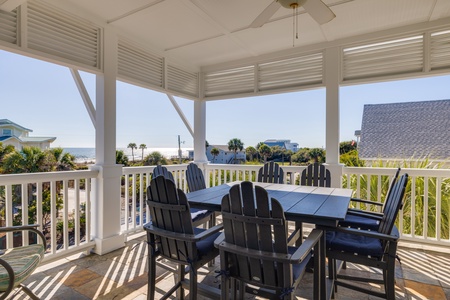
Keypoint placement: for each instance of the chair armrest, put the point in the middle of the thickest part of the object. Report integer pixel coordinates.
(302, 251)
(368, 233)
(219, 240)
(31, 227)
(366, 201)
(365, 214)
(182, 236)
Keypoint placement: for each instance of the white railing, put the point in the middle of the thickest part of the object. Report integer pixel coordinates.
(59, 202)
(51, 200)
(424, 218)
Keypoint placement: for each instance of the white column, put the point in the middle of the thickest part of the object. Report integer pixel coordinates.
(200, 131)
(106, 188)
(332, 75)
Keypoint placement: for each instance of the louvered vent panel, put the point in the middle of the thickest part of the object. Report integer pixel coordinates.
(182, 81)
(137, 64)
(8, 26)
(60, 34)
(293, 72)
(440, 50)
(231, 81)
(381, 59)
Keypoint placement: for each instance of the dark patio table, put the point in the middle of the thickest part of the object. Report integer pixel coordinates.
(321, 206)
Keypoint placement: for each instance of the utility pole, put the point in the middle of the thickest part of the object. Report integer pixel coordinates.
(179, 149)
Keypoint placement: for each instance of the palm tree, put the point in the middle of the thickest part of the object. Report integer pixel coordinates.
(121, 158)
(155, 158)
(61, 161)
(214, 153)
(235, 145)
(5, 150)
(251, 151)
(143, 147)
(28, 160)
(317, 154)
(265, 151)
(132, 146)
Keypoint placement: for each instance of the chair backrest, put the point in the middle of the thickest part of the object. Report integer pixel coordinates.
(316, 175)
(170, 211)
(253, 221)
(271, 172)
(195, 179)
(160, 170)
(393, 205)
(391, 186)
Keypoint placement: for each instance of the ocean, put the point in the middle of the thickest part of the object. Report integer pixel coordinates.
(87, 155)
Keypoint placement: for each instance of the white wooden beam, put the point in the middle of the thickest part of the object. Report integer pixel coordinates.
(10, 5)
(181, 114)
(84, 95)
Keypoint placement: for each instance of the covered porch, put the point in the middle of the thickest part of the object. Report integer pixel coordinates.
(206, 51)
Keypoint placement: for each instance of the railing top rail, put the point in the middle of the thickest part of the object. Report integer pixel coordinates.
(46, 176)
(391, 171)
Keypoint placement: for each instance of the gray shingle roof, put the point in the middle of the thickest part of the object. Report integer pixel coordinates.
(406, 130)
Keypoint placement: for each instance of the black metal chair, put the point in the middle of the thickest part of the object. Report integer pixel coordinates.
(199, 216)
(375, 249)
(316, 175)
(18, 263)
(364, 219)
(271, 172)
(171, 235)
(254, 248)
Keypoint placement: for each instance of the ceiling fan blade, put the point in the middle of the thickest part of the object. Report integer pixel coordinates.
(319, 11)
(267, 13)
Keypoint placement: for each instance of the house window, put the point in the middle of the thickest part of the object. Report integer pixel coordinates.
(7, 132)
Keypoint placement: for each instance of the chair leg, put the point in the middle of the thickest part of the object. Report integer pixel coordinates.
(180, 277)
(29, 292)
(192, 284)
(151, 276)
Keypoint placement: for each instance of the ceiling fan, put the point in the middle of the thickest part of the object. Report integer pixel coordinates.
(315, 8)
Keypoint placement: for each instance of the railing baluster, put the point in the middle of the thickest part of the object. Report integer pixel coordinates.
(9, 214)
(438, 208)
(425, 207)
(65, 230)
(76, 225)
(53, 212)
(25, 234)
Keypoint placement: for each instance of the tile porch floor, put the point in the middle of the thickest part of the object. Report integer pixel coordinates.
(122, 275)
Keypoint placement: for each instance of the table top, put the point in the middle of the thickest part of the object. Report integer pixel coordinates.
(317, 205)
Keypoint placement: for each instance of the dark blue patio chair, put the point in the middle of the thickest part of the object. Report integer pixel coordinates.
(375, 249)
(199, 216)
(316, 175)
(271, 173)
(172, 236)
(196, 181)
(363, 219)
(254, 248)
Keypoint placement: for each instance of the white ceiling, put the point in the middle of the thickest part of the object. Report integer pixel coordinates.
(200, 33)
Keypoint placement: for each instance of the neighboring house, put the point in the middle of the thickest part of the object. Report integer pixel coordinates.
(406, 130)
(285, 144)
(16, 135)
(225, 156)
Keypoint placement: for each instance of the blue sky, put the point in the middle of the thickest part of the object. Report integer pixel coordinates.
(43, 97)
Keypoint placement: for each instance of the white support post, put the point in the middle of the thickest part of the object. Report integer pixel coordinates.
(332, 75)
(200, 131)
(106, 190)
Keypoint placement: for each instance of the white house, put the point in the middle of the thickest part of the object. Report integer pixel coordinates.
(225, 156)
(286, 144)
(16, 135)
